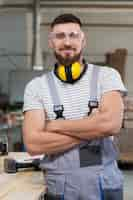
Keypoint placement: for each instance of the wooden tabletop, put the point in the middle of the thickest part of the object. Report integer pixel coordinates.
(28, 184)
(23, 185)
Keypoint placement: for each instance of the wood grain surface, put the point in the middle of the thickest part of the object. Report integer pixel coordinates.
(23, 185)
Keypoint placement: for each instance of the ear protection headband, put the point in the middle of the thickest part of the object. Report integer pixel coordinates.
(70, 73)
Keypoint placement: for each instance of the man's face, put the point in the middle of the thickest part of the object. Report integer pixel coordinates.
(67, 42)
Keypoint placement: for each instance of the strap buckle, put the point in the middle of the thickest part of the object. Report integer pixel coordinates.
(92, 104)
(58, 110)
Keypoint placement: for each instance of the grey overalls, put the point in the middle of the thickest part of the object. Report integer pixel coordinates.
(88, 171)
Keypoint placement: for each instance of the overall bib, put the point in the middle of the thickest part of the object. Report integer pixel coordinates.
(87, 171)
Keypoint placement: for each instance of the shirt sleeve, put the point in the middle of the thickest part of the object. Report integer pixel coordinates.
(110, 80)
(32, 98)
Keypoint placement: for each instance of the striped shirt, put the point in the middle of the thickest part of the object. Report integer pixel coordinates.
(74, 97)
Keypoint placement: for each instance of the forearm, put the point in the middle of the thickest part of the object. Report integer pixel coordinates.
(87, 135)
(49, 143)
(92, 127)
(105, 121)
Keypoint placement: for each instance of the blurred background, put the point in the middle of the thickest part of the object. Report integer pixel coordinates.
(24, 53)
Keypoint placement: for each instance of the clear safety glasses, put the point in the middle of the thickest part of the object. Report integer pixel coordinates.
(74, 35)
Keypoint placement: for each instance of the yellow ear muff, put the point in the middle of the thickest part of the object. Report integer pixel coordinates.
(61, 72)
(76, 70)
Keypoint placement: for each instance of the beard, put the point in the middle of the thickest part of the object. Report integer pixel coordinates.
(68, 60)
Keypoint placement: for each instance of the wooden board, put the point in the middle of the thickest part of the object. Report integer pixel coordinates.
(23, 185)
(126, 157)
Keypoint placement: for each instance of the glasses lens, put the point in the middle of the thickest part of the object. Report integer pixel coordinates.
(63, 35)
(60, 36)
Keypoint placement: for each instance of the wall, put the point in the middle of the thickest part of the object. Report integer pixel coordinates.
(13, 45)
(106, 29)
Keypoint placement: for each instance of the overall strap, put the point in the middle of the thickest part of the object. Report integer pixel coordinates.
(93, 100)
(109, 153)
(94, 82)
(90, 152)
(58, 107)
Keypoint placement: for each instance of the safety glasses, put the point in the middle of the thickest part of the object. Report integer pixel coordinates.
(74, 35)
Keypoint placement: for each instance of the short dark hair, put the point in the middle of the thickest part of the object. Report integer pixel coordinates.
(66, 18)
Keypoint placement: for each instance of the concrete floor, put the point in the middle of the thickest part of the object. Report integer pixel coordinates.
(128, 184)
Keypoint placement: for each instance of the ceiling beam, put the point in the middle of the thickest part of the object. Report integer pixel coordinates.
(36, 50)
(18, 4)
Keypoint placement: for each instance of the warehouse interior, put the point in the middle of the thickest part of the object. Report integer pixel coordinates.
(24, 54)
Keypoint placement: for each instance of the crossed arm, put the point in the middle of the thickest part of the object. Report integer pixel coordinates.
(41, 136)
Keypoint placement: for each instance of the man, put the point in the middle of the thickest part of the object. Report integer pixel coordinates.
(72, 119)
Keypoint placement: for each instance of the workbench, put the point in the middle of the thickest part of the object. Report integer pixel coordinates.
(24, 185)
